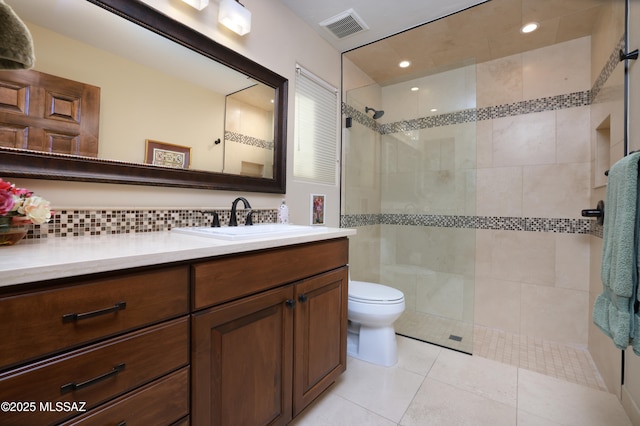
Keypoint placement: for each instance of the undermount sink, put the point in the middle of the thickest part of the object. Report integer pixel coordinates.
(243, 232)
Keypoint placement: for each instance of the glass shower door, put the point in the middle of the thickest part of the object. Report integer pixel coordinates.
(422, 165)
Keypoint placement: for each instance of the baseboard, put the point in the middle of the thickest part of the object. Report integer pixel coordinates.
(630, 407)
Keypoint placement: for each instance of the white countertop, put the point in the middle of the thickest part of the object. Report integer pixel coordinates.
(51, 258)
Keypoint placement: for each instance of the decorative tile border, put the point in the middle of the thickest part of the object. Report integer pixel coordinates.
(74, 223)
(531, 224)
(605, 73)
(550, 103)
(247, 140)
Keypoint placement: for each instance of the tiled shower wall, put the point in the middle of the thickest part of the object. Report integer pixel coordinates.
(529, 252)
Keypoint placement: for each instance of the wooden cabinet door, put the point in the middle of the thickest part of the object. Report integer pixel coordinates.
(42, 112)
(320, 335)
(242, 361)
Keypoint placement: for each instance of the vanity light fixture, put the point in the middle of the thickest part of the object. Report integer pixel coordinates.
(233, 15)
(198, 4)
(404, 64)
(529, 28)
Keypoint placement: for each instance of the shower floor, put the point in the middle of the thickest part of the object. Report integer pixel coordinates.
(570, 363)
(437, 330)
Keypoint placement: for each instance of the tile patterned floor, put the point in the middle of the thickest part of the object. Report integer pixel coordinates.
(431, 385)
(566, 362)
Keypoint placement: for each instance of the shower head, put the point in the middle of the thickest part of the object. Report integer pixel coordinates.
(376, 114)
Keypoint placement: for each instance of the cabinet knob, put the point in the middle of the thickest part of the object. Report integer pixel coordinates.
(290, 303)
(303, 298)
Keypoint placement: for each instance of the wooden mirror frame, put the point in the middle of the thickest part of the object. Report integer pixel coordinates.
(33, 164)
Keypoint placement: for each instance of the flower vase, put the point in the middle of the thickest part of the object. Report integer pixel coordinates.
(10, 233)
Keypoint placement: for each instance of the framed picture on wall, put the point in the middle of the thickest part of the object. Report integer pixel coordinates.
(167, 154)
(317, 209)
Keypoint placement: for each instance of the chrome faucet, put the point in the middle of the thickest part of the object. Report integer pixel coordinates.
(232, 220)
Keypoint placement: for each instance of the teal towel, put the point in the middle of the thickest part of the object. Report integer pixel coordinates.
(613, 312)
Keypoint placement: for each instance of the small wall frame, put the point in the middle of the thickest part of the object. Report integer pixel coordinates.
(167, 154)
(318, 204)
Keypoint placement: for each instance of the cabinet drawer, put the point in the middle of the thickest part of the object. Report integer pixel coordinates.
(235, 276)
(162, 402)
(96, 373)
(48, 321)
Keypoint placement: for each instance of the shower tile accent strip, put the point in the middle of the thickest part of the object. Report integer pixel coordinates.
(247, 140)
(532, 224)
(551, 103)
(607, 70)
(74, 223)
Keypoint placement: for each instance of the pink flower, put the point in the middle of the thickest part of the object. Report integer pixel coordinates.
(6, 202)
(22, 206)
(5, 186)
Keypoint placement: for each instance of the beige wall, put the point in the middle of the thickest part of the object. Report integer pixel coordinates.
(272, 28)
(535, 166)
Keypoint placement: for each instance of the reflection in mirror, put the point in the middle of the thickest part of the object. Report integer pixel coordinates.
(249, 132)
(152, 88)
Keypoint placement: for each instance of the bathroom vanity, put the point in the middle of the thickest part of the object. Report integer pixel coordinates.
(164, 328)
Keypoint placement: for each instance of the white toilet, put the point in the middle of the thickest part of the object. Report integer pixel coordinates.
(372, 310)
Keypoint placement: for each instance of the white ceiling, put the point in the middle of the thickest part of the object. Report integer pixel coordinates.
(384, 17)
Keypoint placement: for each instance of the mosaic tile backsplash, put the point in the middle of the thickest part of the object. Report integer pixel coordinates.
(74, 223)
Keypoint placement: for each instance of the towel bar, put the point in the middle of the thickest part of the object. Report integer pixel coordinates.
(598, 213)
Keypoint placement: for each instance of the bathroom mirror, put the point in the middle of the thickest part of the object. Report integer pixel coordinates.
(127, 125)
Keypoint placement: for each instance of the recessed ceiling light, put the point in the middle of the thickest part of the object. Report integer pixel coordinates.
(415, 89)
(433, 109)
(529, 28)
(404, 64)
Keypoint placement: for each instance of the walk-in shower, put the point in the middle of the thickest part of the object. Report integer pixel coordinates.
(445, 189)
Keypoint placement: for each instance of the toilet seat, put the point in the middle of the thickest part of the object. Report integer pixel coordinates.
(378, 294)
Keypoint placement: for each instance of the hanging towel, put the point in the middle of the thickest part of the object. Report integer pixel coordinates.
(613, 312)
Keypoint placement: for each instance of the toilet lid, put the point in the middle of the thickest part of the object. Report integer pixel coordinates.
(370, 292)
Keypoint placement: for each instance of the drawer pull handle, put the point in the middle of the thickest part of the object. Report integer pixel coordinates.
(77, 317)
(70, 387)
(122, 423)
(303, 298)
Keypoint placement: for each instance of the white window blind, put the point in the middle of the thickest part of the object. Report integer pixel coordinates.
(316, 129)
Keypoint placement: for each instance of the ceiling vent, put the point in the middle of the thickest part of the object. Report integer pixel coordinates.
(344, 24)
